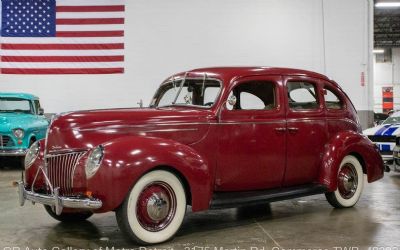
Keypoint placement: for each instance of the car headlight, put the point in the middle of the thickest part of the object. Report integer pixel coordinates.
(94, 161)
(32, 154)
(19, 133)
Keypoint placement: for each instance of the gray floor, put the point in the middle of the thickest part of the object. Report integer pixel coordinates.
(302, 223)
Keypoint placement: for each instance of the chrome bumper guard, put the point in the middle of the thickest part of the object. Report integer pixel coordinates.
(55, 200)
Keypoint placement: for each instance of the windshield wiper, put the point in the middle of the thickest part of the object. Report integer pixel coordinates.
(180, 88)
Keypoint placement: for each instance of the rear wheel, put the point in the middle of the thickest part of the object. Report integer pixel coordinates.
(350, 184)
(154, 209)
(68, 217)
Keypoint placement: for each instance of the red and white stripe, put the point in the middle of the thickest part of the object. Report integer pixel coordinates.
(89, 40)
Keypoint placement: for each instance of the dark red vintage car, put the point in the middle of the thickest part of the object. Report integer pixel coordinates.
(211, 138)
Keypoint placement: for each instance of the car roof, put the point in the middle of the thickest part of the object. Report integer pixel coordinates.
(19, 95)
(237, 72)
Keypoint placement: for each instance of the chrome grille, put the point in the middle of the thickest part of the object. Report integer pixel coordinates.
(61, 168)
(5, 141)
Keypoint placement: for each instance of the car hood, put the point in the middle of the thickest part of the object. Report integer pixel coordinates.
(10, 121)
(87, 129)
(383, 130)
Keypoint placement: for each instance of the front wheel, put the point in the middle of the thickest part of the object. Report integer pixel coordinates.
(350, 184)
(154, 209)
(68, 217)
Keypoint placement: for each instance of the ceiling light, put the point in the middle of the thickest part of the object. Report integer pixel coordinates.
(378, 51)
(387, 4)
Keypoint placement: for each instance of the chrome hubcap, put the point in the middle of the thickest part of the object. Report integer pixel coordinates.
(347, 181)
(156, 206)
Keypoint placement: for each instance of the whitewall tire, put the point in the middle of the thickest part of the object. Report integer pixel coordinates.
(350, 184)
(154, 209)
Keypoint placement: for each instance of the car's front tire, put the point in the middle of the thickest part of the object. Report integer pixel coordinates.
(68, 217)
(154, 209)
(350, 184)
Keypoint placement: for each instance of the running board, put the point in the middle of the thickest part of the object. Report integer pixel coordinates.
(236, 199)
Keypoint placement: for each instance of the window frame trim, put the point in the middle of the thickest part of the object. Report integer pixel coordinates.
(259, 78)
(338, 95)
(316, 83)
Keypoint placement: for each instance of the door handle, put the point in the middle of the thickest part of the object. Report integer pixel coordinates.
(293, 130)
(280, 130)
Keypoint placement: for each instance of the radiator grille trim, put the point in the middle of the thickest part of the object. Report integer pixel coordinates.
(6, 141)
(61, 169)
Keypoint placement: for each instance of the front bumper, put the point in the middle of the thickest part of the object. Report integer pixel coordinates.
(387, 157)
(13, 152)
(55, 199)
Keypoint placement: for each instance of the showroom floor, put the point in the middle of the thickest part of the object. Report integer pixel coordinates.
(302, 223)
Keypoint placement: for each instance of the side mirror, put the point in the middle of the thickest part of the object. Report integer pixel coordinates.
(230, 104)
(41, 111)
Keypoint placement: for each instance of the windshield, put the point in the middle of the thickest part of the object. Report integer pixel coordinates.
(190, 92)
(392, 120)
(10, 105)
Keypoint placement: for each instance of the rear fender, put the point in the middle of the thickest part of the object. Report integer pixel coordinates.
(126, 159)
(346, 143)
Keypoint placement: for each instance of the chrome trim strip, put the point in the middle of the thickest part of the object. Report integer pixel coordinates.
(15, 152)
(213, 123)
(57, 153)
(175, 124)
(247, 123)
(169, 130)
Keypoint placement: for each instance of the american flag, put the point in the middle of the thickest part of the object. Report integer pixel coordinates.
(62, 37)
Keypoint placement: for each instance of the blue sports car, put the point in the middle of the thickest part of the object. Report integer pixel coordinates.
(384, 135)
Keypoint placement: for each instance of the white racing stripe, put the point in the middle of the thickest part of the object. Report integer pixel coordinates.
(61, 40)
(22, 53)
(75, 15)
(65, 65)
(103, 27)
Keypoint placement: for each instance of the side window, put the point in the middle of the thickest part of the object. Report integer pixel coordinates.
(255, 95)
(37, 106)
(332, 101)
(302, 96)
(210, 93)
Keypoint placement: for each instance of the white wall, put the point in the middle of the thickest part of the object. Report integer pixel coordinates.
(164, 37)
(387, 75)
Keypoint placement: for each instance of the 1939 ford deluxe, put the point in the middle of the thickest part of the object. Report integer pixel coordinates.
(211, 138)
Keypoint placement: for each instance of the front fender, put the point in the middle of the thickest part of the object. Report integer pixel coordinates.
(345, 143)
(126, 159)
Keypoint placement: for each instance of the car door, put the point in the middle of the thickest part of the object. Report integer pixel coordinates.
(251, 143)
(306, 127)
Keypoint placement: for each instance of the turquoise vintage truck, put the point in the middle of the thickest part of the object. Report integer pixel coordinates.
(22, 122)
